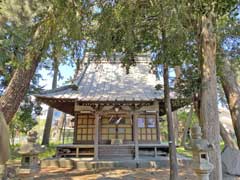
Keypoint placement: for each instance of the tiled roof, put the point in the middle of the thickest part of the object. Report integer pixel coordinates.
(108, 81)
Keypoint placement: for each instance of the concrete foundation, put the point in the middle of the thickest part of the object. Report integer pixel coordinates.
(90, 164)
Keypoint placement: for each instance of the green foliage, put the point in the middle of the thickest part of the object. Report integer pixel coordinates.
(46, 27)
(189, 83)
(219, 7)
(62, 19)
(50, 151)
(23, 120)
(187, 153)
(182, 116)
(133, 27)
(228, 30)
(184, 152)
(14, 155)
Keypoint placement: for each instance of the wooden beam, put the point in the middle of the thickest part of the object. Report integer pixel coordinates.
(77, 152)
(96, 129)
(120, 102)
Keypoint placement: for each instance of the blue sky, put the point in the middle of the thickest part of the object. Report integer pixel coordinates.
(66, 71)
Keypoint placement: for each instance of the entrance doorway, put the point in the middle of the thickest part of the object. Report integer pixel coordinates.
(116, 126)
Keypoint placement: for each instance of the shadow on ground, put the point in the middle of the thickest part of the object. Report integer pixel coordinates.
(113, 174)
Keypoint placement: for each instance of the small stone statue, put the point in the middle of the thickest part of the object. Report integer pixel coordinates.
(200, 148)
(29, 153)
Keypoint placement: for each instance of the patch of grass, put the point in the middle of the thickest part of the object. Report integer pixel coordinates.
(182, 151)
(50, 151)
(14, 154)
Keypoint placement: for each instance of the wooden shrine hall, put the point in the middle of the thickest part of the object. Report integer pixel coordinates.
(116, 113)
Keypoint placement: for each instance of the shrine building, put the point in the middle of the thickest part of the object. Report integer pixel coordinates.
(116, 113)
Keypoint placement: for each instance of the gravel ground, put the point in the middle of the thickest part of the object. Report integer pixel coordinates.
(112, 174)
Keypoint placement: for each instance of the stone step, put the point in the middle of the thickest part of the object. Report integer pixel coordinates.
(77, 163)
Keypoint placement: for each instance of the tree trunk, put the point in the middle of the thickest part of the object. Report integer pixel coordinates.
(64, 127)
(232, 93)
(22, 77)
(47, 127)
(79, 63)
(171, 138)
(48, 124)
(175, 125)
(60, 125)
(168, 108)
(208, 108)
(178, 73)
(228, 141)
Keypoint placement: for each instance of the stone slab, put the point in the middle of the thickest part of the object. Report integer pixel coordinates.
(77, 163)
(231, 161)
(228, 177)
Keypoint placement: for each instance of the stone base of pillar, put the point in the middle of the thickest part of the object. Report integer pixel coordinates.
(203, 176)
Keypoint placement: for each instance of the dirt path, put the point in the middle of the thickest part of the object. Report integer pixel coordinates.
(112, 174)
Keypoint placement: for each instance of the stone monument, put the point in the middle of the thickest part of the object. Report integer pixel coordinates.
(200, 148)
(29, 153)
(4, 145)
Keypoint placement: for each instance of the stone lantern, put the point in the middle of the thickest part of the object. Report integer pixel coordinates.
(29, 153)
(200, 148)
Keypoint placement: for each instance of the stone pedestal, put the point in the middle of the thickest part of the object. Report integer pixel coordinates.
(29, 152)
(203, 174)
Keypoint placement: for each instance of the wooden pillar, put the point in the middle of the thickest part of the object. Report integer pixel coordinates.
(96, 130)
(135, 126)
(158, 128)
(77, 152)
